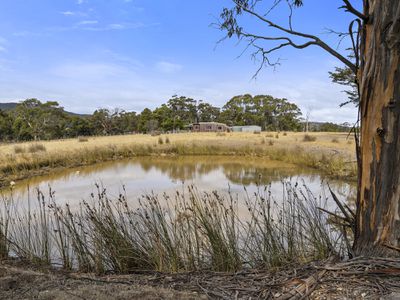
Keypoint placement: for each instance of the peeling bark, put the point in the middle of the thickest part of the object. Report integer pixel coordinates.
(378, 209)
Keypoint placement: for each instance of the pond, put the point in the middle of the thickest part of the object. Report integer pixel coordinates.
(138, 176)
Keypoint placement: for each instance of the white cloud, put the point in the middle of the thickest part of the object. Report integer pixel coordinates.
(117, 26)
(92, 25)
(3, 43)
(67, 13)
(88, 71)
(168, 67)
(117, 58)
(79, 2)
(115, 80)
(88, 22)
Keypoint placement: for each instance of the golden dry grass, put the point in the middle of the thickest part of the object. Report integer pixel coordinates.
(291, 139)
(71, 152)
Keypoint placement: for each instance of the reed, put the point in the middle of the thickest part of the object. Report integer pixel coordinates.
(190, 231)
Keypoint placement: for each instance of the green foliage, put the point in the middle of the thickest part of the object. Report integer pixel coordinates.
(345, 76)
(332, 127)
(6, 126)
(263, 110)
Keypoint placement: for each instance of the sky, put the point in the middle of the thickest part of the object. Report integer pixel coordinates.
(132, 54)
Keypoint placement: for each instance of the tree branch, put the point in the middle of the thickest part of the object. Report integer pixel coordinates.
(315, 40)
(350, 8)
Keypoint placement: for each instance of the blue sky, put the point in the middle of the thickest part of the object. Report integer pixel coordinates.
(133, 54)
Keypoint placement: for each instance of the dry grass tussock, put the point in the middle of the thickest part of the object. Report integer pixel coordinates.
(309, 138)
(19, 161)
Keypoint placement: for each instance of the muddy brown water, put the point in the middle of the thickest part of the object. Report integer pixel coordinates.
(135, 177)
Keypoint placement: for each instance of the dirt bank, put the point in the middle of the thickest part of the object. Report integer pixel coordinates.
(356, 280)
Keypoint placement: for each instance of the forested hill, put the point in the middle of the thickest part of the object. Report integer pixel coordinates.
(8, 106)
(12, 105)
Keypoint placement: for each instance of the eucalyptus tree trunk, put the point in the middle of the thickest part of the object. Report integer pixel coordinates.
(378, 211)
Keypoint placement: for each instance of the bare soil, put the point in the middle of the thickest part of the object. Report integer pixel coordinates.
(19, 282)
(359, 279)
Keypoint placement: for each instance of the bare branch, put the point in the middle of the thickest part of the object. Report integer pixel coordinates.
(355, 41)
(314, 39)
(350, 8)
(290, 15)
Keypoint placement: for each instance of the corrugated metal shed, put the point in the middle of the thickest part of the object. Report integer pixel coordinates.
(249, 128)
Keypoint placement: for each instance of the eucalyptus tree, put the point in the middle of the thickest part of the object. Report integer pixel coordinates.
(374, 35)
(207, 112)
(263, 110)
(6, 126)
(36, 120)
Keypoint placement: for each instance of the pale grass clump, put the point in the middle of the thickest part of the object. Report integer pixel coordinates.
(19, 149)
(335, 140)
(36, 147)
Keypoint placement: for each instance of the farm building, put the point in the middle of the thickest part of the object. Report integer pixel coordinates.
(250, 128)
(209, 127)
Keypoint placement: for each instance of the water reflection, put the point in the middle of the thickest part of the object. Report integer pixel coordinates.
(159, 175)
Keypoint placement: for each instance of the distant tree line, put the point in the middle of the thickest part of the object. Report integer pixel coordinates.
(34, 120)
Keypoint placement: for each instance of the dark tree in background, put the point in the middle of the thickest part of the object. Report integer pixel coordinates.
(375, 38)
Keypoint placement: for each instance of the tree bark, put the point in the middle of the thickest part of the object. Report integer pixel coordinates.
(378, 209)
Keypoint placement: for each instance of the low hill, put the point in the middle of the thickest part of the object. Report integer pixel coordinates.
(12, 105)
(8, 106)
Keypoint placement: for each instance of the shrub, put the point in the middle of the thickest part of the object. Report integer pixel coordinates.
(335, 140)
(309, 138)
(167, 141)
(277, 136)
(36, 148)
(256, 132)
(285, 134)
(82, 139)
(160, 140)
(271, 142)
(155, 133)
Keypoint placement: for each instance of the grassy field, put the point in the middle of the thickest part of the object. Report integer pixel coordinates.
(332, 153)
